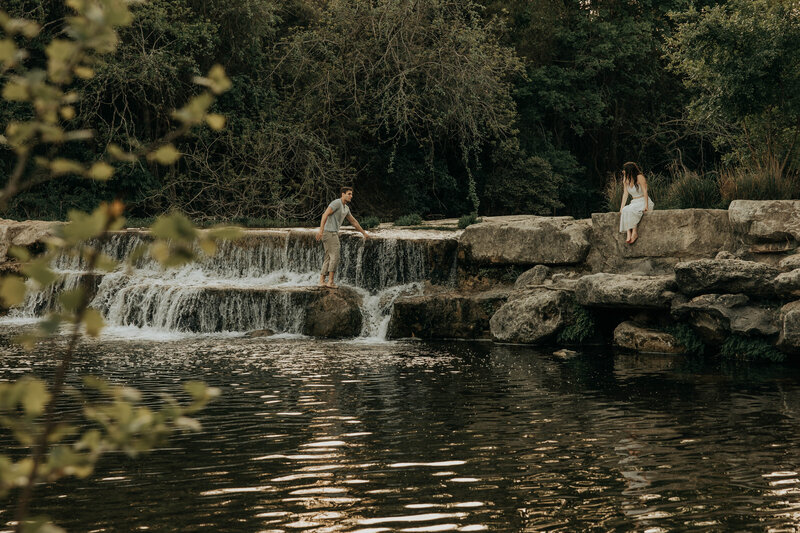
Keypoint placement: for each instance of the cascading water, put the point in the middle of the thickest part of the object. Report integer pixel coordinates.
(260, 282)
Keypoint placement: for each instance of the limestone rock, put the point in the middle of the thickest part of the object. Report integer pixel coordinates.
(27, 233)
(333, 313)
(526, 240)
(532, 316)
(788, 283)
(258, 333)
(715, 316)
(625, 290)
(666, 237)
(725, 276)
(790, 263)
(634, 337)
(445, 315)
(534, 276)
(789, 338)
(766, 220)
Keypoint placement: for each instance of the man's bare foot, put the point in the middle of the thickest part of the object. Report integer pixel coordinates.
(331, 285)
(322, 283)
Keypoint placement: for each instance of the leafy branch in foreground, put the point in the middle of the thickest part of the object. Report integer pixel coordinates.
(29, 407)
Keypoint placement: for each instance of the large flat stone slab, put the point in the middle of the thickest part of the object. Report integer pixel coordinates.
(728, 276)
(715, 316)
(625, 291)
(526, 240)
(666, 237)
(766, 220)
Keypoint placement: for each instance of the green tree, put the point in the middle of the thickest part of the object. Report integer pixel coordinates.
(739, 59)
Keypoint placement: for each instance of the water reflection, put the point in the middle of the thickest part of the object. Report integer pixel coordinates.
(332, 436)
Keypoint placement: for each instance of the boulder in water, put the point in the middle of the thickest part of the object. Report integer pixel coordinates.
(715, 316)
(333, 313)
(641, 339)
(789, 338)
(445, 315)
(533, 316)
(625, 291)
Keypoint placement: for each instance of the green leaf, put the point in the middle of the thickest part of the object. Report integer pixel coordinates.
(39, 271)
(119, 154)
(84, 226)
(15, 92)
(8, 51)
(175, 226)
(101, 171)
(26, 340)
(50, 325)
(94, 322)
(215, 121)
(226, 233)
(216, 80)
(12, 291)
(166, 155)
(62, 166)
(19, 253)
(71, 300)
(33, 396)
(105, 263)
(195, 111)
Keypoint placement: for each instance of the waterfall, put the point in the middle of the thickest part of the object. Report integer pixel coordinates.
(260, 282)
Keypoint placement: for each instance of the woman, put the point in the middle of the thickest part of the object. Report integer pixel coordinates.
(636, 186)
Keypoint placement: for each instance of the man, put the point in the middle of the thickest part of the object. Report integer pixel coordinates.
(328, 233)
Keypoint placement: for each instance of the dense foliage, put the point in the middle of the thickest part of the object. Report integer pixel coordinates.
(439, 107)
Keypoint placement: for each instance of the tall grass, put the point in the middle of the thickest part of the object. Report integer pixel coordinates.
(770, 182)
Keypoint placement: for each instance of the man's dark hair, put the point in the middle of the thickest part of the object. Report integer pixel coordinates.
(343, 190)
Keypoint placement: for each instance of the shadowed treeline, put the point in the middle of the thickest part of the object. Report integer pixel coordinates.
(438, 107)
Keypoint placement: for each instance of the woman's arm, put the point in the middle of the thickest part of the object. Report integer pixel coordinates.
(624, 198)
(643, 185)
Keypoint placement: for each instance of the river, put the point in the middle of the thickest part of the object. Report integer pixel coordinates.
(314, 435)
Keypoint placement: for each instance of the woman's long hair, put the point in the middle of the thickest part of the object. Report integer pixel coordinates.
(629, 172)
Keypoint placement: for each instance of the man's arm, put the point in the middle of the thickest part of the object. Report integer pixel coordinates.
(328, 212)
(356, 225)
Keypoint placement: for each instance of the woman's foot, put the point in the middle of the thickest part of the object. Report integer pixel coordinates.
(633, 238)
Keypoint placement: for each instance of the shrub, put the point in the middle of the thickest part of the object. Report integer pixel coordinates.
(409, 220)
(468, 220)
(370, 222)
(747, 349)
(689, 189)
(765, 183)
(581, 329)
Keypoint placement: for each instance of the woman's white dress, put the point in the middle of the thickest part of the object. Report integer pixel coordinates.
(632, 213)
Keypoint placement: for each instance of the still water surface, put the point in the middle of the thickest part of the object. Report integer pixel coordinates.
(320, 436)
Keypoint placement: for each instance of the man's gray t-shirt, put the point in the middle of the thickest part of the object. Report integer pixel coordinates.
(340, 211)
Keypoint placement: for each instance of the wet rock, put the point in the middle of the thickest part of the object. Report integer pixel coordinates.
(526, 240)
(766, 220)
(445, 315)
(715, 316)
(565, 354)
(641, 339)
(725, 276)
(666, 237)
(625, 290)
(532, 316)
(789, 337)
(535, 276)
(333, 313)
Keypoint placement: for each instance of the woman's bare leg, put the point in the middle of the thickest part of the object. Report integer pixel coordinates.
(628, 238)
(634, 235)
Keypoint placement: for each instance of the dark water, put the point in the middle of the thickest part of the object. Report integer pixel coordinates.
(336, 436)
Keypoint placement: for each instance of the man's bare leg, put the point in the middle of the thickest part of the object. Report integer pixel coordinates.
(322, 280)
(330, 283)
